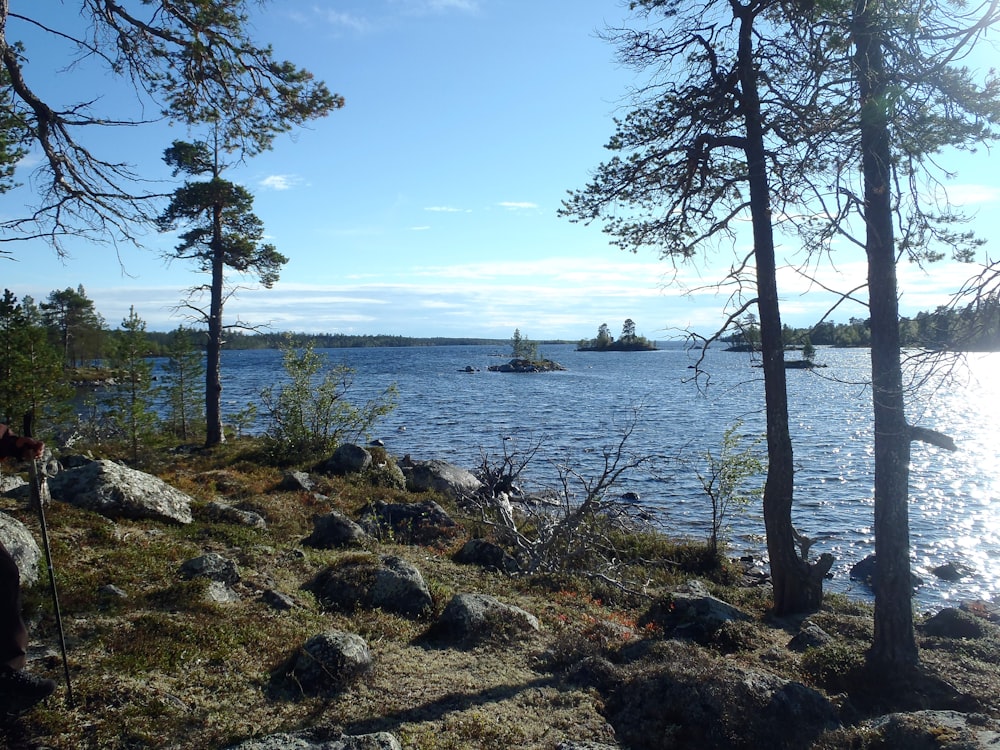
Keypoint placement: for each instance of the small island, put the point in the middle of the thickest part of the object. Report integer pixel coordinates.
(627, 342)
(525, 357)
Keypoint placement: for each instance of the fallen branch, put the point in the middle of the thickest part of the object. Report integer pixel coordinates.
(927, 435)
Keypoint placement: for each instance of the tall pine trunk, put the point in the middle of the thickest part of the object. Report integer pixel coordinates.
(894, 646)
(798, 586)
(214, 433)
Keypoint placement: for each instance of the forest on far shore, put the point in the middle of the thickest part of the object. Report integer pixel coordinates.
(70, 321)
(973, 328)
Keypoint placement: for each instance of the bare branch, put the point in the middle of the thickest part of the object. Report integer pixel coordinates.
(932, 437)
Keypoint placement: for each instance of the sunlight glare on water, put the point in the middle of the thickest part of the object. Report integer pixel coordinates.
(961, 490)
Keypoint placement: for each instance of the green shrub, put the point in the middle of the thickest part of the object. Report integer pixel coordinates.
(835, 666)
(309, 414)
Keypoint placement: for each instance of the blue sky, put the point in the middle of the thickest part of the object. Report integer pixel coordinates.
(427, 205)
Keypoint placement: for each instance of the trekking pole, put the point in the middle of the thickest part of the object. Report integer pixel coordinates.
(37, 483)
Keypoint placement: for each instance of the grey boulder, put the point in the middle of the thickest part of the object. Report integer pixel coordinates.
(471, 618)
(330, 661)
(21, 545)
(387, 582)
(117, 491)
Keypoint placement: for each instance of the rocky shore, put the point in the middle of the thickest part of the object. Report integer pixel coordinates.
(364, 603)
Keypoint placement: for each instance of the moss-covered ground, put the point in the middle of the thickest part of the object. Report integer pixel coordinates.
(163, 668)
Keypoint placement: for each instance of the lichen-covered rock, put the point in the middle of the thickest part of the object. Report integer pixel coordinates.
(423, 522)
(307, 740)
(212, 566)
(955, 623)
(346, 459)
(334, 529)
(386, 474)
(225, 513)
(297, 480)
(21, 545)
(810, 635)
(935, 730)
(10, 482)
(387, 582)
(692, 612)
(691, 699)
(471, 618)
(486, 555)
(330, 661)
(304, 741)
(278, 600)
(441, 476)
(117, 491)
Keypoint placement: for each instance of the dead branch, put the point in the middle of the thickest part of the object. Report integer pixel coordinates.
(933, 437)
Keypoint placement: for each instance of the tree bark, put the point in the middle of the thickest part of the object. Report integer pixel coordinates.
(796, 589)
(214, 433)
(894, 646)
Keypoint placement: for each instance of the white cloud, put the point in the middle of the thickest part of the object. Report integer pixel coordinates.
(423, 7)
(422, 228)
(971, 194)
(345, 20)
(517, 205)
(280, 182)
(463, 5)
(447, 209)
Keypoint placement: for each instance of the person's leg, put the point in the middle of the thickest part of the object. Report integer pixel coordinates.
(19, 690)
(13, 634)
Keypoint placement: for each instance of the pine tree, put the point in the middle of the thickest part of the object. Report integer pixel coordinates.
(75, 324)
(222, 233)
(31, 374)
(131, 399)
(185, 372)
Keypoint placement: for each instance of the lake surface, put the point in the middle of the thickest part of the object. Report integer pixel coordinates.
(456, 416)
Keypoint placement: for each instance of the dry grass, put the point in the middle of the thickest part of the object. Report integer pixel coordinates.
(165, 669)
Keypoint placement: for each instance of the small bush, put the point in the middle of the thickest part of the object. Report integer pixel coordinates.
(309, 415)
(836, 666)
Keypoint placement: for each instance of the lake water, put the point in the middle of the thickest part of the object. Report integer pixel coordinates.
(448, 414)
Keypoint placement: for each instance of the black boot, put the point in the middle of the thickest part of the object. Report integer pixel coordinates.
(20, 690)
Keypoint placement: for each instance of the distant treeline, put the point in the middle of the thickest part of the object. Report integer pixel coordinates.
(975, 327)
(243, 341)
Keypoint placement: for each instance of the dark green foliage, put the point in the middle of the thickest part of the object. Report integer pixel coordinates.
(77, 327)
(185, 374)
(130, 399)
(235, 241)
(31, 374)
(837, 666)
(309, 415)
(628, 342)
(522, 348)
(223, 234)
(14, 133)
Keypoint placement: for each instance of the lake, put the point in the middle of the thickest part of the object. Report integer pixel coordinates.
(449, 414)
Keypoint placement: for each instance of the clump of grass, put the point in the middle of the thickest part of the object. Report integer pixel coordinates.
(735, 636)
(837, 666)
